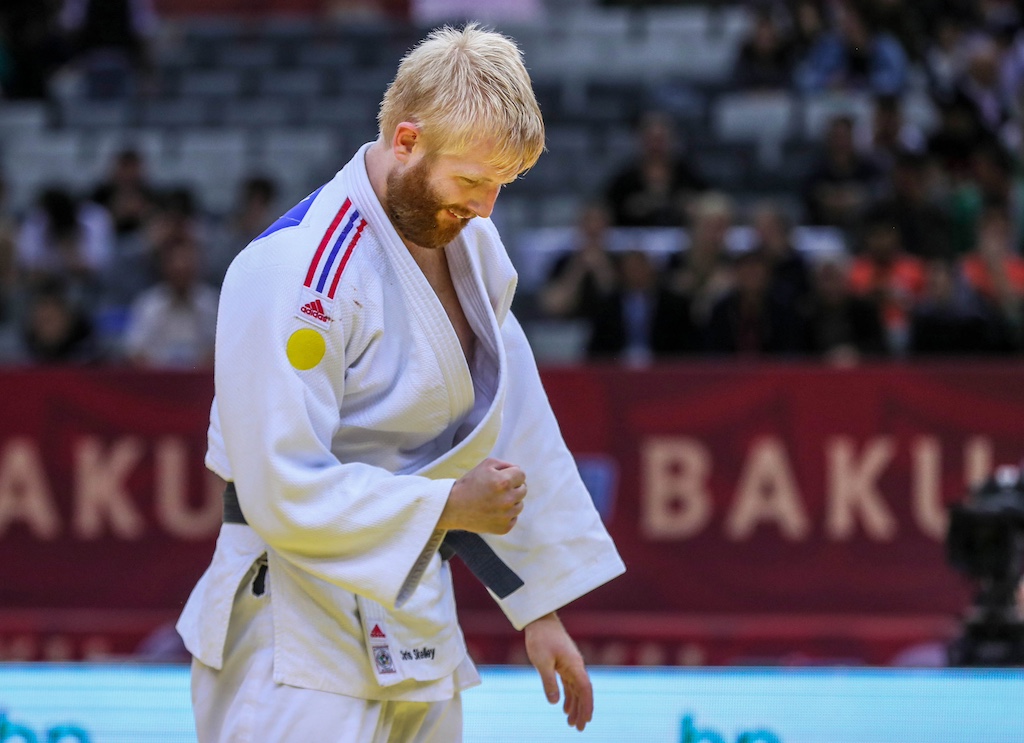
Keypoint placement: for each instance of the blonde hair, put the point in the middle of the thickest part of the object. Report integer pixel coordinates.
(465, 87)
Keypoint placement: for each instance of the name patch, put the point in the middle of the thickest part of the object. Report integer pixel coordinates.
(418, 654)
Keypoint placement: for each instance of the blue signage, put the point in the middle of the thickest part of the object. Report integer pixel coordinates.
(41, 703)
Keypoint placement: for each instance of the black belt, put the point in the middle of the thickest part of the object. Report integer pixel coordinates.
(232, 511)
(478, 556)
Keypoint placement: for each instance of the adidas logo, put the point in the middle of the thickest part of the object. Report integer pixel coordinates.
(316, 310)
(377, 633)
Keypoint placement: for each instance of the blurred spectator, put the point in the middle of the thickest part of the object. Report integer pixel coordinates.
(253, 212)
(109, 42)
(838, 188)
(891, 134)
(1011, 74)
(994, 270)
(7, 221)
(56, 330)
(887, 276)
(851, 57)
(639, 320)
(901, 19)
(790, 276)
(9, 284)
(839, 327)
(951, 319)
(981, 85)
(127, 193)
(28, 33)
(956, 137)
(172, 324)
(808, 24)
(945, 60)
(994, 173)
(8, 226)
(924, 224)
(750, 320)
(650, 192)
(765, 59)
(583, 276)
(177, 217)
(965, 12)
(65, 237)
(703, 272)
(6, 62)
(993, 182)
(998, 15)
(8, 275)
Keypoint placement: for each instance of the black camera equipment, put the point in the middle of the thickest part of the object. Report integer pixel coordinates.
(986, 541)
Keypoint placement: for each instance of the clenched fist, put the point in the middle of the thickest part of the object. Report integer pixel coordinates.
(487, 500)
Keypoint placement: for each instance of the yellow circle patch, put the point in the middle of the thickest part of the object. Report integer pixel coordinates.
(306, 348)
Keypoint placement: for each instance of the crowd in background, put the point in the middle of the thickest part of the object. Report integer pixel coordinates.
(934, 266)
(128, 273)
(934, 221)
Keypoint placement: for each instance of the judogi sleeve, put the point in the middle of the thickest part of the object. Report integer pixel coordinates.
(559, 546)
(279, 384)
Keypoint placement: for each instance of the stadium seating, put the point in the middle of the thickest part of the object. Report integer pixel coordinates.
(248, 88)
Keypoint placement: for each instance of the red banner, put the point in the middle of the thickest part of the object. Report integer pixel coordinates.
(751, 492)
(103, 497)
(790, 488)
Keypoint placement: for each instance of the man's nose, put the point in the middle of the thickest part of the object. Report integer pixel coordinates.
(482, 203)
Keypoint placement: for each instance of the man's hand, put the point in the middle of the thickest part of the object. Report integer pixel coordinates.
(487, 500)
(552, 652)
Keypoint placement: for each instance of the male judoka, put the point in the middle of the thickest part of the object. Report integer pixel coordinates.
(378, 410)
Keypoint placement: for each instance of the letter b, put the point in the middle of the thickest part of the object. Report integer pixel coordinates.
(10, 731)
(692, 735)
(62, 733)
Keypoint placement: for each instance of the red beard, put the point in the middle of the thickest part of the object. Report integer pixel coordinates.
(416, 211)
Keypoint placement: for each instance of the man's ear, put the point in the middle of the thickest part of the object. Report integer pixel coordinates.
(407, 137)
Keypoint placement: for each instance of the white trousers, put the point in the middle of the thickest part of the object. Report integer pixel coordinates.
(241, 703)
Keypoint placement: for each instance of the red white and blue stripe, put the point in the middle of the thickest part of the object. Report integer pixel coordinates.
(328, 264)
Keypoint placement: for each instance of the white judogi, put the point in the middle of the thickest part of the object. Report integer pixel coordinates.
(344, 412)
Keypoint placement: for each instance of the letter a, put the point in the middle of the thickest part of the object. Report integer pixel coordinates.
(767, 492)
(24, 494)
